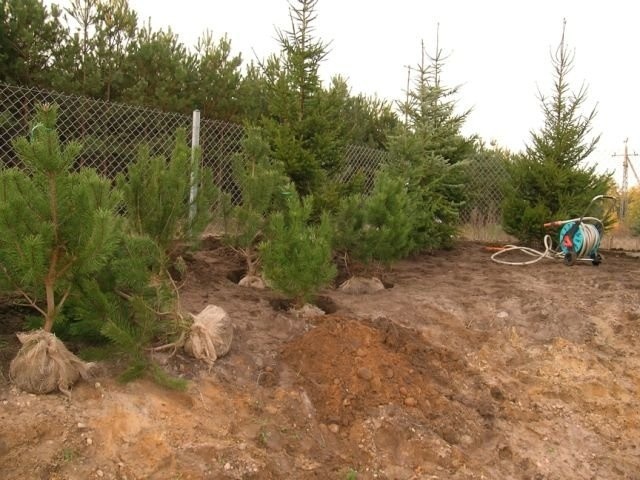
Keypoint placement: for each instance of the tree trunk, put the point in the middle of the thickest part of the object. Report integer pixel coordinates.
(251, 265)
(51, 307)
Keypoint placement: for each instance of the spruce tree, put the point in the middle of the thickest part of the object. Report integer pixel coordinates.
(430, 110)
(57, 227)
(303, 125)
(434, 186)
(429, 153)
(550, 181)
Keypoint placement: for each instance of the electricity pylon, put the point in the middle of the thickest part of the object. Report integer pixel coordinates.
(626, 165)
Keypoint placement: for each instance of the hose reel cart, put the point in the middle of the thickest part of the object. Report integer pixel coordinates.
(579, 239)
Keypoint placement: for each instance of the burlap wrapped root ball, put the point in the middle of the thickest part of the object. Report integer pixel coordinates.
(252, 281)
(362, 285)
(43, 364)
(211, 334)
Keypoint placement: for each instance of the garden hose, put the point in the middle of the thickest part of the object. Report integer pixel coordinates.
(538, 255)
(590, 241)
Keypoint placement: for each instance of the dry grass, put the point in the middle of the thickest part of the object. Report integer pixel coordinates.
(620, 238)
(488, 233)
(484, 227)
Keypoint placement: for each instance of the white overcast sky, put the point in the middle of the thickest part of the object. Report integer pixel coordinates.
(499, 53)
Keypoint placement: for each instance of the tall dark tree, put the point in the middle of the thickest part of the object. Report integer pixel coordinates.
(430, 109)
(94, 56)
(429, 152)
(218, 79)
(116, 30)
(79, 51)
(486, 171)
(299, 120)
(550, 180)
(30, 39)
(252, 93)
(161, 71)
(369, 121)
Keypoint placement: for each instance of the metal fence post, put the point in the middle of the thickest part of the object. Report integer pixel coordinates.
(195, 144)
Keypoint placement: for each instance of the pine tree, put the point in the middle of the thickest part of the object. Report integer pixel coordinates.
(57, 227)
(550, 181)
(160, 71)
(297, 255)
(64, 250)
(377, 228)
(157, 193)
(31, 35)
(260, 180)
(218, 78)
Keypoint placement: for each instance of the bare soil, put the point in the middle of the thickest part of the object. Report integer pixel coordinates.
(464, 369)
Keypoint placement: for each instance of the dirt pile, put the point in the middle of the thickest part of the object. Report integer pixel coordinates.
(355, 371)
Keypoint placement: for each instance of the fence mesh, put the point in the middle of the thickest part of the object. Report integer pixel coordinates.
(111, 134)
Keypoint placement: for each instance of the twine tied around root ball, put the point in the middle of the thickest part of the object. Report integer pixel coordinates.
(211, 334)
(43, 364)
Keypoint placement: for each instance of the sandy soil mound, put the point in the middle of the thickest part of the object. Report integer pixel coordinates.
(465, 369)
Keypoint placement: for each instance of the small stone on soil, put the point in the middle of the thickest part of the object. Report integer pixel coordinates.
(505, 453)
(410, 402)
(496, 393)
(334, 428)
(364, 373)
(466, 440)
(376, 383)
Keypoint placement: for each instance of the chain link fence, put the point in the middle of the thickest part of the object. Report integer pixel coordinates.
(111, 134)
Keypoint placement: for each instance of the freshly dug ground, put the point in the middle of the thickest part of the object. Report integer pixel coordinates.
(464, 369)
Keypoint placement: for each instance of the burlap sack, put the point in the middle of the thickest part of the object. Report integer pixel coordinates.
(44, 364)
(211, 334)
